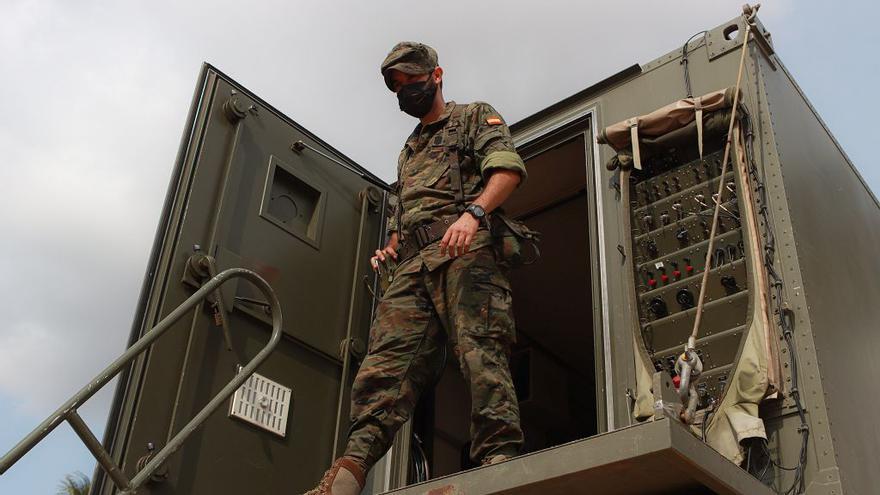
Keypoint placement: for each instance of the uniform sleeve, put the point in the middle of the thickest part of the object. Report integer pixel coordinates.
(391, 225)
(493, 147)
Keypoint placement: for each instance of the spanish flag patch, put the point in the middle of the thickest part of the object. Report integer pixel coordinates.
(493, 121)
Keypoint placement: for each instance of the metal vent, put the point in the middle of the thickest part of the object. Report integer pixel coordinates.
(263, 403)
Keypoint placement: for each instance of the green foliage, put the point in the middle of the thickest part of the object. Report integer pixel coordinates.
(74, 484)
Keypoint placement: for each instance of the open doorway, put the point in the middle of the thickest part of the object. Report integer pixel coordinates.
(553, 362)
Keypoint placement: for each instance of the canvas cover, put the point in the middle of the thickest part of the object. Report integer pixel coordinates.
(663, 120)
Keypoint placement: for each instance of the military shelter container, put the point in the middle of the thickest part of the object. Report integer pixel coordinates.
(601, 317)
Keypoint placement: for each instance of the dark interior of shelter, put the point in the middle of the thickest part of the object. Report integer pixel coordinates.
(552, 362)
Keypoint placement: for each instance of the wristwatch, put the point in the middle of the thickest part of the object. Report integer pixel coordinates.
(476, 211)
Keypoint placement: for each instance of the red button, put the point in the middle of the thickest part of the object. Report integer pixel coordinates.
(676, 380)
(676, 273)
(652, 282)
(689, 268)
(664, 277)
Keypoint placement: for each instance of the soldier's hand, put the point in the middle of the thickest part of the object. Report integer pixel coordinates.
(383, 254)
(459, 236)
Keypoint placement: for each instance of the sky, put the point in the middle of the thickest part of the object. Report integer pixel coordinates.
(96, 94)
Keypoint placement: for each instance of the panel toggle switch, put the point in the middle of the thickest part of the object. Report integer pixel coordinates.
(652, 248)
(682, 235)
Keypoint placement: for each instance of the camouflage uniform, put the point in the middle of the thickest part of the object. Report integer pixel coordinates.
(435, 298)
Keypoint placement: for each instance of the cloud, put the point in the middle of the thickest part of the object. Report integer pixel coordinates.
(85, 166)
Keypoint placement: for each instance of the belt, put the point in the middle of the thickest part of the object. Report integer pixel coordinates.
(424, 235)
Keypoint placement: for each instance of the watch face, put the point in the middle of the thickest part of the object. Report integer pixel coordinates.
(477, 210)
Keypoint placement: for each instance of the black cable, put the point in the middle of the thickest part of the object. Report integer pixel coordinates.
(798, 485)
(749, 460)
(684, 62)
(707, 418)
(418, 460)
(770, 459)
(769, 462)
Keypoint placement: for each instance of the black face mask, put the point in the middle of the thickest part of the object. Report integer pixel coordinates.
(417, 98)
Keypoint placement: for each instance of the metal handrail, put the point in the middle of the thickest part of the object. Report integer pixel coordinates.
(68, 411)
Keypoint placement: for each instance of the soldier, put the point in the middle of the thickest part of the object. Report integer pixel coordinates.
(457, 166)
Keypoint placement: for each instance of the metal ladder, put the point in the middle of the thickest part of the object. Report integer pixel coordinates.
(68, 411)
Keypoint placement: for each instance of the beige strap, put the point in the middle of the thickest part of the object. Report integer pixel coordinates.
(698, 107)
(634, 138)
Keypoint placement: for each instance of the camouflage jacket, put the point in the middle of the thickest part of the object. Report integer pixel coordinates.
(424, 189)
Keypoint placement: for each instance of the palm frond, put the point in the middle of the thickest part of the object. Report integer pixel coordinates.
(75, 484)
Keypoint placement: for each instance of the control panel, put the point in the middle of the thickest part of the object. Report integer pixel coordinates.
(671, 209)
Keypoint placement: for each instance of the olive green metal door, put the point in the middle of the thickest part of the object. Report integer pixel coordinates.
(252, 189)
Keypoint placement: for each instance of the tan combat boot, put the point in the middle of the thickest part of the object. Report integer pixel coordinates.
(345, 477)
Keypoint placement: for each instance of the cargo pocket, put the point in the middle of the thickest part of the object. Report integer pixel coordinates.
(443, 150)
(439, 175)
(488, 313)
(500, 318)
(441, 158)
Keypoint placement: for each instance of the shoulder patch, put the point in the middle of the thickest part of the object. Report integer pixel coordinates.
(493, 121)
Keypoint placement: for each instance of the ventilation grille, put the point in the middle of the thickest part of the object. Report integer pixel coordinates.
(263, 403)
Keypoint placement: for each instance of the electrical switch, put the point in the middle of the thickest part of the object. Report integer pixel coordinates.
(729, 284)
(682, 235)
(688, 268)
(679, 212)
(685, 299)
(658, 307)
(652, 248)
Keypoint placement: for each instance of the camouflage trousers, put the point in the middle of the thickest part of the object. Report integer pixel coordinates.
(467, 301)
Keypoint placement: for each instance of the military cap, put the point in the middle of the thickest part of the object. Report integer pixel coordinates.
(409, 57)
